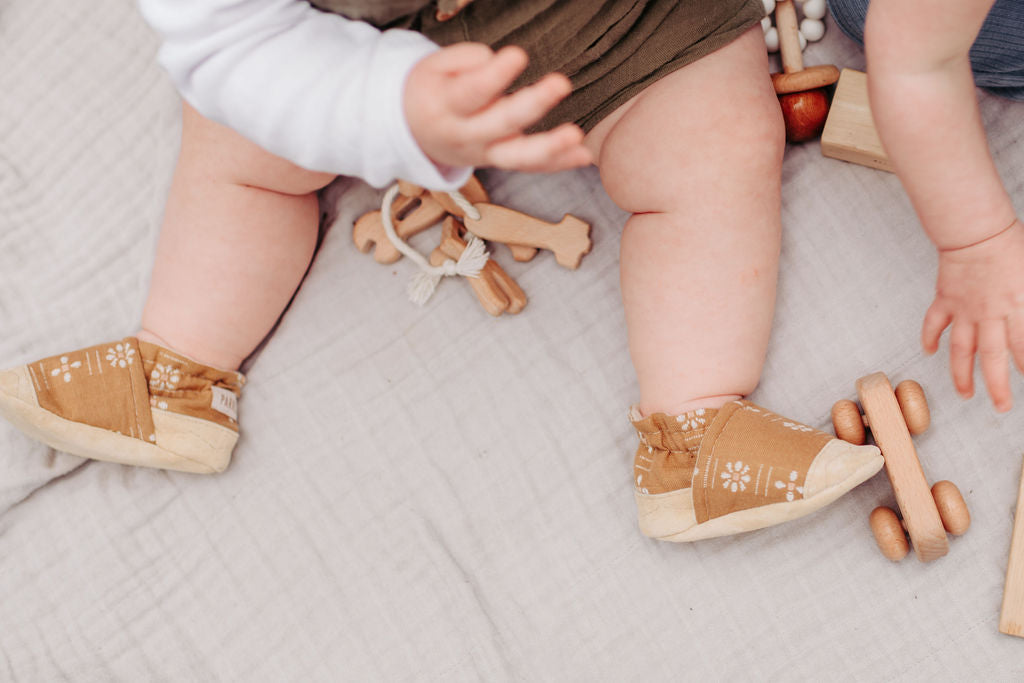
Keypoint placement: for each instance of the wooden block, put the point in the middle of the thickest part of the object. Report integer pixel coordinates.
(913, 495)
(1011, 617)
(850, 133)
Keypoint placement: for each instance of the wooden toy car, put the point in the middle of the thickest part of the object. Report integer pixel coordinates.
(927, 514)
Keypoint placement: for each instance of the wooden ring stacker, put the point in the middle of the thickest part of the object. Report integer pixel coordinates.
(927, 514)
(801, 91)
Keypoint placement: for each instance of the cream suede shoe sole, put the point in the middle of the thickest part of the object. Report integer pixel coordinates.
(209, 445)
(839, 468)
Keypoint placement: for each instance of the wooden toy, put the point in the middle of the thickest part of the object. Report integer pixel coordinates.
(849, 133)
(412, 209)
(496, 291)
(812, 27)
(569, 239)
(410, 215)
(476, 194)
(1011, 617)
(927, 514)
(801, 91)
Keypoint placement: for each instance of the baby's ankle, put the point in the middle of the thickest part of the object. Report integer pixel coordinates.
(678, 408)
(197, 352)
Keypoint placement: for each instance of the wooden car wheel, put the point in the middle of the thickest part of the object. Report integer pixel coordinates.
(889, 533)
(952, 508)
(913, 405)
(847, 421)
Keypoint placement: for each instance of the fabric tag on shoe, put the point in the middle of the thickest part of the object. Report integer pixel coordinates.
(751, 457)
(224, 402)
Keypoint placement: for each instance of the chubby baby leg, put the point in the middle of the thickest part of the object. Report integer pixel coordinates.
(697, 160)
(239, 231)
(238, 235)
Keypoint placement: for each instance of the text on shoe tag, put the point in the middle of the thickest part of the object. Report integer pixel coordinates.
(224, 402)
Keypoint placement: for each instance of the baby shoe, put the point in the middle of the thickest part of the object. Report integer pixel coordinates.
(128, 402)
(710, 473)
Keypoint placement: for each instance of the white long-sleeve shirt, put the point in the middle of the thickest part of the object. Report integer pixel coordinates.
(320, 90)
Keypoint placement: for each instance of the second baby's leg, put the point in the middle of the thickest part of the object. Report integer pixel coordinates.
(238, 234)
(697, 159)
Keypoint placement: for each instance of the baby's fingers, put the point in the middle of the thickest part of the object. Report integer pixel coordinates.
(554, 150)
(994, 362)
(511, 115)
(1015, 337)
(962, 345)
(475, 88)
(936, 319)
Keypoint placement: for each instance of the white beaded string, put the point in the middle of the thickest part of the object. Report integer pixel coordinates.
(471, 262)
(812, 26)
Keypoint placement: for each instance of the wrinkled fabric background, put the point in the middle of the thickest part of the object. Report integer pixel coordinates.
(435, 494)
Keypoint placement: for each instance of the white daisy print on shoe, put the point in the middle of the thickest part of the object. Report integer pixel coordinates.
(120, 356)
(66, 368)
(693, 419)
(165, 377)
(790, 486)
(737, 477)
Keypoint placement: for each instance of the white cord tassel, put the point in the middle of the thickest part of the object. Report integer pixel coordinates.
(470, 263)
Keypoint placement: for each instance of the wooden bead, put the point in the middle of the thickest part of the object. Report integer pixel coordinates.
(804, 114)
(812, 29)
(913, 405)
(952, 508)
(889, 533)
(814, 9)
(847, 421)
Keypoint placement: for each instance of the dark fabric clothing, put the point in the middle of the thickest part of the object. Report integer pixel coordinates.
(610, 49)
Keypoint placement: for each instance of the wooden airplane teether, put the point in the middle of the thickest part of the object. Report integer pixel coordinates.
(410, 215)
(415, 209)
(497, 292)
(927, 514)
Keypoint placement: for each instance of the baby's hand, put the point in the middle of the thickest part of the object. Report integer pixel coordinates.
(980, 291)
(458, 112)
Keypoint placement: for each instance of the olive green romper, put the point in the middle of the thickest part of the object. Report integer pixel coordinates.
(610, 49)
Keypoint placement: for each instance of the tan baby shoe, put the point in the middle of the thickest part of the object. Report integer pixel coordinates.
(128, 402)
(710, 473)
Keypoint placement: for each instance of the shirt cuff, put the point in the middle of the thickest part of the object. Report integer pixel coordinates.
(385, 118)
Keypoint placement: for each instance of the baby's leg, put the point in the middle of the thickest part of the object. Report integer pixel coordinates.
(697, 158)
(238, 234)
